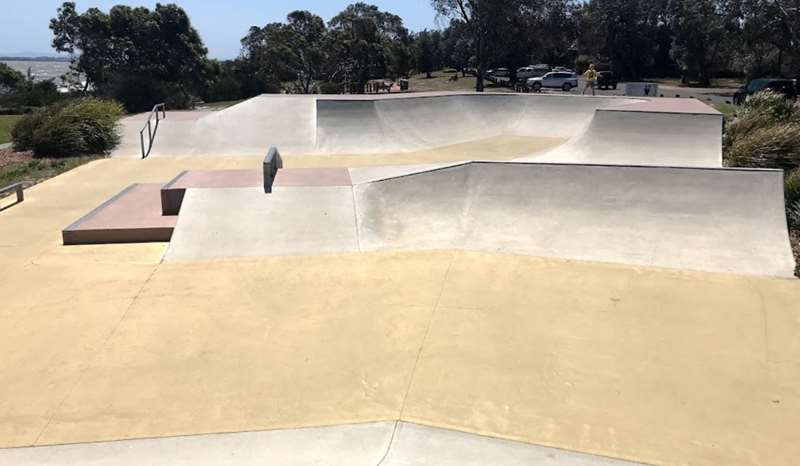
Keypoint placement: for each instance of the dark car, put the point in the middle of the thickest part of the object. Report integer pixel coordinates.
(787, 87)
(606, 79)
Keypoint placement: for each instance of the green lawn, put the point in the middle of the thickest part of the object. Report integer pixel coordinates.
(726, 109)
(439, 82)
(6, 123)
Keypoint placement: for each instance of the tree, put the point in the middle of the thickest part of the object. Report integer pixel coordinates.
(620, 33)
(294, 51)
(489, 23)
(10, 79)
(703, 30)
(157, 50)
(365, 43)
(425, 53)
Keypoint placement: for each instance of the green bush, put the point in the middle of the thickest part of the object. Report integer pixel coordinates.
(328, 87)
(84, 126)
(792, 195)
(765, 133)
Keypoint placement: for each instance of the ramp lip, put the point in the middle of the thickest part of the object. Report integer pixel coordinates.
(565, 164)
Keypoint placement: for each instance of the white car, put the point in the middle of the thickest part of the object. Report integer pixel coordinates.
(532, 71)
(555, 80)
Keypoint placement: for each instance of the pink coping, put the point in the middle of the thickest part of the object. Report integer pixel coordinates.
(219, 179)
(288, 177)
(668, 105)
(138, 206)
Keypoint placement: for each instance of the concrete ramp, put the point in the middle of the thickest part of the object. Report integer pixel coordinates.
(686, 133)
(385, 443)
(248, 128)
(612, 130)
(410, 123)
(719, 220)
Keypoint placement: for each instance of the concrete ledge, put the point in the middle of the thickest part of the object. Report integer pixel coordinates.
(131, 216)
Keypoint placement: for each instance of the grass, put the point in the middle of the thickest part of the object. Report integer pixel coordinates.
(6, 123)
(22, 167)
(728, 110)
(439, 82)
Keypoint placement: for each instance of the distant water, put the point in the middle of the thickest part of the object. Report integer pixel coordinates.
(40, 70)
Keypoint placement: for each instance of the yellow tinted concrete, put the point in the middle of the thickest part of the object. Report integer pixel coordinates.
(105, 342)
(657, 366)
(495, 148)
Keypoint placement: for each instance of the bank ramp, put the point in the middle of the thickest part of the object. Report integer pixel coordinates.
(717, 220)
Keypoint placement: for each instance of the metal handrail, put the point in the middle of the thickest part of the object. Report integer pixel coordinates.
(151, 130)
(18, 188)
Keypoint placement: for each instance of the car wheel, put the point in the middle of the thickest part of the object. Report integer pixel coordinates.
(566, 87)
(614, 87)
(537, 87)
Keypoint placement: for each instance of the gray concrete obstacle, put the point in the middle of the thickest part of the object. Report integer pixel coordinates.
(415, 122)
(369, 444)
(718, 220)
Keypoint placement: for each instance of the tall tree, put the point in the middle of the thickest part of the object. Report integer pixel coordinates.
(621, 33)
(366, 43)
(703, 32)
(292, 52)
(155, 48)
(489, 23)
(425, 52)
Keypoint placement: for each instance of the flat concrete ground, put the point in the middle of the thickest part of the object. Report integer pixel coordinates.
(108, 342)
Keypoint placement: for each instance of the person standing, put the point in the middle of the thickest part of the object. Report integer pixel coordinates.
(591, 79)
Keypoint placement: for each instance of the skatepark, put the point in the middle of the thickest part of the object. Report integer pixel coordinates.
(443, 278)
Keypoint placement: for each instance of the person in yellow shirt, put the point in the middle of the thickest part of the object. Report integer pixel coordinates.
(591, 79)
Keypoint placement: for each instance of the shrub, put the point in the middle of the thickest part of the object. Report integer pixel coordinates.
(84, 126)
(328, 87)
(768, 146)
(765, 133)
(792, 195)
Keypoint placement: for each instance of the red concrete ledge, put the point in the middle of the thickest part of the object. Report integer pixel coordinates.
(131, 216)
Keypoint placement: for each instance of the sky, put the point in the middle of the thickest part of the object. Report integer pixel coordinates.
(24, 24)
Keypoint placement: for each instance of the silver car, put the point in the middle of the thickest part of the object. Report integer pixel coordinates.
(556, 79)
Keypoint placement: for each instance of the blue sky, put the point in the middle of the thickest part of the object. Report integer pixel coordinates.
(24, 24)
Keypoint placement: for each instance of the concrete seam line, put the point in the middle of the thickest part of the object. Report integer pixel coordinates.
(356, 218)
(101, 349)
(419, 356)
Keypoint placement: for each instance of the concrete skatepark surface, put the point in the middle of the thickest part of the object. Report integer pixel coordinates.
(654, 216)
(466, 352)
(369, 444)
(654, 135)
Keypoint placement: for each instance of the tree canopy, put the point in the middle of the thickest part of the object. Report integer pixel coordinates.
(114, 49)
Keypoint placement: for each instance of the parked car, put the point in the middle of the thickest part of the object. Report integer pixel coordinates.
(606, 79)
(787, 87)
(562, 69)
(499, 73)
(556, 79)
(532, 71)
